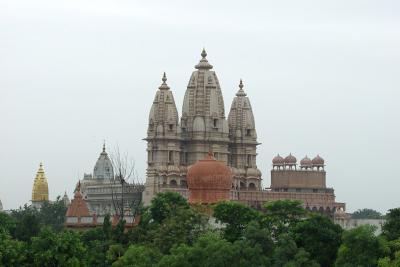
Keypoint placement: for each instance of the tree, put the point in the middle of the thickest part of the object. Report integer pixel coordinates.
(360, 247)
(165, 205)
(28, 223)
(280, 215)
(7, 223)
(254, 234)
(57, 249)
(12, 252)
(125, 175)
(236, 216)
(287, 254)
(319, 236)
(138, 256)
(212, 250)
(53, 214)
(392, 260)
(366, 214)
(391, 228)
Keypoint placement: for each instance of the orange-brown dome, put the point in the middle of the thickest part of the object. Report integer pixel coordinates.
(209, 181)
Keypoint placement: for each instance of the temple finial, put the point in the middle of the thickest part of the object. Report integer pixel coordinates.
(203, 53)
(241, 91)
(104, 145)
(164, 85)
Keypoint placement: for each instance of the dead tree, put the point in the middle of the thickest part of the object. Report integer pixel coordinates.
(125, 175)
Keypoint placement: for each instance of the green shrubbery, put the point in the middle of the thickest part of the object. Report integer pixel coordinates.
(173, 233)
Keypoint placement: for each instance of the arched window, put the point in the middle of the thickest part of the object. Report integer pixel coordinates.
(173, 183)
(252, 186)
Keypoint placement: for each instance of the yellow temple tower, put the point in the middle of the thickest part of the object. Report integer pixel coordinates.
(40, 190)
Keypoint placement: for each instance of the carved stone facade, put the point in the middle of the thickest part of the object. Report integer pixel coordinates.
(173, 147)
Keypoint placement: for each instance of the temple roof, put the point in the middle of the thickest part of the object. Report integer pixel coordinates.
(78, 206)
(103, 168)
(40, 190)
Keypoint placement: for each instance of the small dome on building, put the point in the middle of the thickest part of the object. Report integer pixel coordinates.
(103, 168)
(209, 181)
(278, 160)
(318, 161)
(306, 162)
(290, 160)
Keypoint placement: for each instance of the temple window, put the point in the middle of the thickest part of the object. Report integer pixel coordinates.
(248, 132)
(171, 156)
(215, 123)
(170, 126)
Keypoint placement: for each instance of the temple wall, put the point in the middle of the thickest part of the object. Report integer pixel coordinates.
(298, 179)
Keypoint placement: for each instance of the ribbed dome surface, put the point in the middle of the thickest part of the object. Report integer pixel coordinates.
(209, 181)
(306, 162)
(278, 160)
(290, 159)
(318, 161)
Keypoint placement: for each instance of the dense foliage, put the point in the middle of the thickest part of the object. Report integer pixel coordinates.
(173, 233)
(366, 214)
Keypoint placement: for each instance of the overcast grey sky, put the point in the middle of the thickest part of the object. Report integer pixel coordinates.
(322, 76)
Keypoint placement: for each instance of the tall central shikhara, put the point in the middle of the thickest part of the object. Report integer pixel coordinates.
(172, 146)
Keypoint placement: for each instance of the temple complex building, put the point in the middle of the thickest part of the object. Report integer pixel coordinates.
(40, 189)
(103, 191)
(177, 147)
(172, 147)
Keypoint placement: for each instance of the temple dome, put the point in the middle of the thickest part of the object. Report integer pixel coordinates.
(209, 181)
(278, 160)
(306, 162)
(290, 160)
(40, 190)
(318, 161)
(103, 168)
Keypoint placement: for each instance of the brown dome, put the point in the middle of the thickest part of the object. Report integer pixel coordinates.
(290, 160)
(318, 161)
(209, 181)
(306, 162)
(278, 160)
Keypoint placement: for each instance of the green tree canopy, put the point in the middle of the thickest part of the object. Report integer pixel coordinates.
(139, 256)
(236, 216)
(361, 247)
(391, 228)
(319, 236)
(165, 205)
(366, 214)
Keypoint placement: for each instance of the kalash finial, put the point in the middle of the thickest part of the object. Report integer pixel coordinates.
(104, 146)
(164, 85)
(203, 64)
(241, 91)
(203, 53)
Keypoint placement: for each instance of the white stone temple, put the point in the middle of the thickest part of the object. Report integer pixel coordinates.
(102, 192)
(174, 144)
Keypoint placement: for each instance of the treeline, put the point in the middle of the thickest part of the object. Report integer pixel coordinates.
(173, 233)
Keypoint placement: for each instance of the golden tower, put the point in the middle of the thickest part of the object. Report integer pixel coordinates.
(40, 190)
